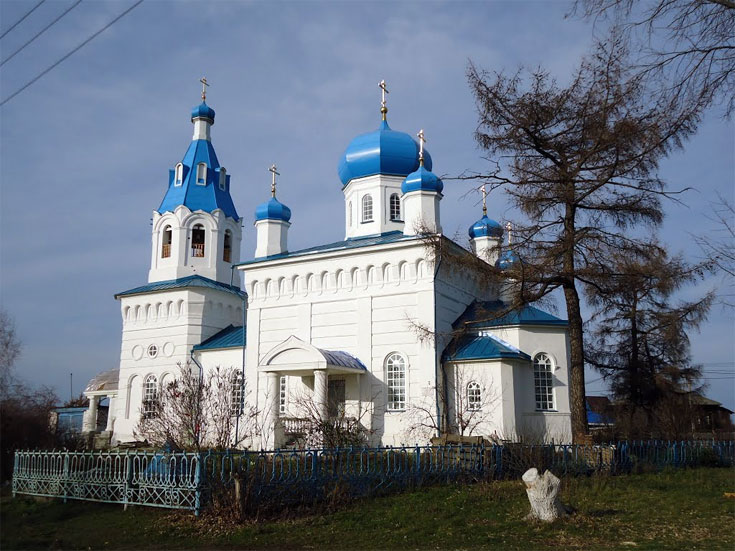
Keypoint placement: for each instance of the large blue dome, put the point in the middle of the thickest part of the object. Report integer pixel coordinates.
(422, 180)
(273, 209)
(485, 227)
(507, 260)
(383, 151)
(202, 111)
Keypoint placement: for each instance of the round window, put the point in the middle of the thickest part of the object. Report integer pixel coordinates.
(152, 351)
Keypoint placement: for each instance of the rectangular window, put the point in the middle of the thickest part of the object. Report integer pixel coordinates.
(367, 209)
(201, 174)
(282, 395)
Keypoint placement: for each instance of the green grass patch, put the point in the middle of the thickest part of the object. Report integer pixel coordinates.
(670, 510)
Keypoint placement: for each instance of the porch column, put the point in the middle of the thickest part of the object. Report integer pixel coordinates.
(271, 409)
(320, 393)
(89, 421)
(110, 400)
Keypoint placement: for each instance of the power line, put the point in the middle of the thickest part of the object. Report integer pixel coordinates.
(39, 33)
(29, 12)
(66, 56)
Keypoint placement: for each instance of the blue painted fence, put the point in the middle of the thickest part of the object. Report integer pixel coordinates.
(189, 481)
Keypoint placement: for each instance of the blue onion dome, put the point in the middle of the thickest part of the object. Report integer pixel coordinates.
(507, 260)
(485, 227)
(383, 151)
(202, 111)
(273, 209)
(422, 180)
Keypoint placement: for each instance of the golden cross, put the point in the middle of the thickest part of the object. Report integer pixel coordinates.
(275, 173)
(383, 108)
(422, 140)
(484, 199)
(509, 227)
(204, 82)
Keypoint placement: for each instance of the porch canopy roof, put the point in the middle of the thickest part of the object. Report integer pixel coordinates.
(300, 358)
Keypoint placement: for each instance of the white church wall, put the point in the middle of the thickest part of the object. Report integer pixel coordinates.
(380, 188)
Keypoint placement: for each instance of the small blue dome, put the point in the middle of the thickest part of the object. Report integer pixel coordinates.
(383, 151)
(273, 209)
(202, 111)
(507, 260)
(423, 180)
(485, 227)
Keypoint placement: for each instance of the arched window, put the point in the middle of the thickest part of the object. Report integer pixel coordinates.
(474, 396)
(395, 380)
(150, 397)
(367, 208)
(542, 382)
(227, 250)
(197, 241)
(236, 393)
(166, 244)
(202, 174)
(223, 180)
(179, 175)
(349, 214)
(395, 207)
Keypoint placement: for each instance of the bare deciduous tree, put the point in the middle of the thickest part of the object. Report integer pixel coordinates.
(9, 350)
(686, 48)
(580, 162)
(468, 402)
(196, 411)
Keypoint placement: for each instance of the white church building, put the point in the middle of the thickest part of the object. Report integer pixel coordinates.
(376, 327)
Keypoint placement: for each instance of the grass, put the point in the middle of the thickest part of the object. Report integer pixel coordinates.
(671, 510)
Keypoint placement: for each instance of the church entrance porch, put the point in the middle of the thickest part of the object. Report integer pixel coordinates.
(304, 387)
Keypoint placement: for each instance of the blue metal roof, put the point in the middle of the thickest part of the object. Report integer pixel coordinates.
(482, 314)
(199, 195)
(485, 227)
(507, 259)
(342, 359)
(596, 410)
(203, 111)
(482, 347)
(353, 243)
(230, 337)
(189, 281)
(422, 180)
(273, 209)
(383, 151)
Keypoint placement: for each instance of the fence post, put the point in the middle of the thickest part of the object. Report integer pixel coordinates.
(128, 479)
(65, 476)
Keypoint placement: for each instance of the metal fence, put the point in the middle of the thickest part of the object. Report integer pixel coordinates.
(191, 480)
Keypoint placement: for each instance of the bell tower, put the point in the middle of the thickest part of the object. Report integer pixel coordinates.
(196, 229)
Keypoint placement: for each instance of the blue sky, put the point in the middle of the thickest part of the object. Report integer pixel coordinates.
(85, 152)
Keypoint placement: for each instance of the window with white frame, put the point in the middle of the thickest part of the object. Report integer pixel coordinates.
(227, 249)
(236, 393)
(542, 382)
(197, 241)
(179, 175)
(282, 395)
(166, 244)
(474, 396)
(395, 207)
(150, 396)
(202, 174)
(367, 208)
(395, 380)
(223, 179)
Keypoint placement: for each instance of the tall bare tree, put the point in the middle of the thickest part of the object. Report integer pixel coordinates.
(9, 350)
(580, 162)
(686, 48)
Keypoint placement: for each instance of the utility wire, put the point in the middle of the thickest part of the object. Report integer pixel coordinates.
(39, 33)
(66, 56)
(29, 12)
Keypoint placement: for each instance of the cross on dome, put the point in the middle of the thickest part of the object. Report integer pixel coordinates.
(204, 82)
(422, 141)
(383, 107)
(509, 228)
(484, 199)
(274, 171)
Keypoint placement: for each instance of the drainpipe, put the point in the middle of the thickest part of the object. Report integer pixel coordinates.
(437, 359)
